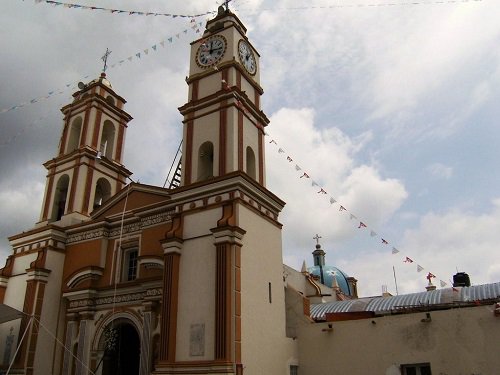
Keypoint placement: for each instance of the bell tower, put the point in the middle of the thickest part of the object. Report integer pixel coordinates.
(223, 122)
(223, 297)
(88, 167)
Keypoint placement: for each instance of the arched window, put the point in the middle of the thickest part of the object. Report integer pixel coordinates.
(60, 196)
(251, 163)
(74, 135)
(102, 192)
(110, 100)
(206, 161)
(107, 139)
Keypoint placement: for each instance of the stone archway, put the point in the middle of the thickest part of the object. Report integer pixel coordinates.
(123, 357)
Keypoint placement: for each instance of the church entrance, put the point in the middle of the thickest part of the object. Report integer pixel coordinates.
(123, 355)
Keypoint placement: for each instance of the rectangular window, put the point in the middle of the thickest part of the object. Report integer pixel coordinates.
(416, 369)
(294, 370)
(130, 264)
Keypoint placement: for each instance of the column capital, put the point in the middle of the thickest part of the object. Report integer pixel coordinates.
(228, 234)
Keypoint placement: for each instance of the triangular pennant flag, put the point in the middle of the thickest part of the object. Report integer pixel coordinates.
(362, 225)
(322, 191)
(332, 201)
(289, 159)
(313, 183)
(154, 47)
(170, 39)
(130, 58)
(352, 216)
(138, 54)
(342, 208)
(373, 233)
(162, 43)
(394, 250)
(305, 175)
(419, 268)
(273, 141)
(297, 168)
(146, 51)
(408, 260)
(385, 242)
(442, 283)
(280, 150)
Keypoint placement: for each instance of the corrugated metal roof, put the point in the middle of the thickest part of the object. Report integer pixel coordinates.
(387, 304)
(480, 292)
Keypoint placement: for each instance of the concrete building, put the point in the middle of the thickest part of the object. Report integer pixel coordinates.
(119, 277)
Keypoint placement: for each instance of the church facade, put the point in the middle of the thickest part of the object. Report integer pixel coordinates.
(126, 278)
(119, 277)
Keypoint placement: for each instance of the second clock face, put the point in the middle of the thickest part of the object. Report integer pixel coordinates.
(247, 57)
(211, 50)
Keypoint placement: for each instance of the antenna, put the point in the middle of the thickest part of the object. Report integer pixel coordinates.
(395, 280)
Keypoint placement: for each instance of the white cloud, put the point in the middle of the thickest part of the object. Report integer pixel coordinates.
(327, 156)
(441, 171)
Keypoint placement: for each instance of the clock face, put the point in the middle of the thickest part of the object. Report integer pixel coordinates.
(247, 57)
(211, 50)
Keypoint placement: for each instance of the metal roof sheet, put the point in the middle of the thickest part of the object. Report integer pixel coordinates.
(387, 304)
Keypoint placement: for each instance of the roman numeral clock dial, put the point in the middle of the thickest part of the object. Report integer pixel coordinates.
(211, 51)
(247, 57)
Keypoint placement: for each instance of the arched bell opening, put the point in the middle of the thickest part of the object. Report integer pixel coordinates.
(251, 169)
(205, 161)
(102, 192)
(60, 197)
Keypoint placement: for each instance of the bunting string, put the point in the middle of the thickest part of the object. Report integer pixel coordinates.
(360, 224)
(364, 5)
(121, 11)
(194, 26)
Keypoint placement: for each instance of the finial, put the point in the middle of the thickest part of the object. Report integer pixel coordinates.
(317, 237)
(226, 3)
(105, 59)
(304, 267)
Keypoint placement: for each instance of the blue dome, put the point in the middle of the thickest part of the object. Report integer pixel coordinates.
(328, 274)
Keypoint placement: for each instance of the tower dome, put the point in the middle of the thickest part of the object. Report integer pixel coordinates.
(326, 273)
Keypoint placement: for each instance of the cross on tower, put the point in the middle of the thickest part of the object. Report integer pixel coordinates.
(105, 59)
(226, 3)
(317, 237)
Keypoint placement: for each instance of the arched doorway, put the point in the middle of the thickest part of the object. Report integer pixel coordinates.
(123, 356)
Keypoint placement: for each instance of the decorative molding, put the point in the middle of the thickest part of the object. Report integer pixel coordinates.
(130, 297)
(129, 228)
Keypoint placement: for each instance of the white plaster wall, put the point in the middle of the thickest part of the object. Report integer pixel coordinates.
(197, 283)
(14, 297)
(47, 343)
(265, 348)
(459, 341)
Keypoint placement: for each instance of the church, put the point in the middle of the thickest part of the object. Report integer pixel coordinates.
(119, 277)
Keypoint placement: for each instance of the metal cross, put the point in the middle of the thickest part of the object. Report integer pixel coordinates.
(105, 59)
(317, 237)
(226, 3)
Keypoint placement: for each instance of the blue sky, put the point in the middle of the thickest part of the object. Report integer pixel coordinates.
(391, 109)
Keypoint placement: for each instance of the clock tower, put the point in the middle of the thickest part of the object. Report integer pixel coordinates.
(223, 303)
(223, 122)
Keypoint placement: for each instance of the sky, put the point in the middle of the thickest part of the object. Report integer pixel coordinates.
(384, 120)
